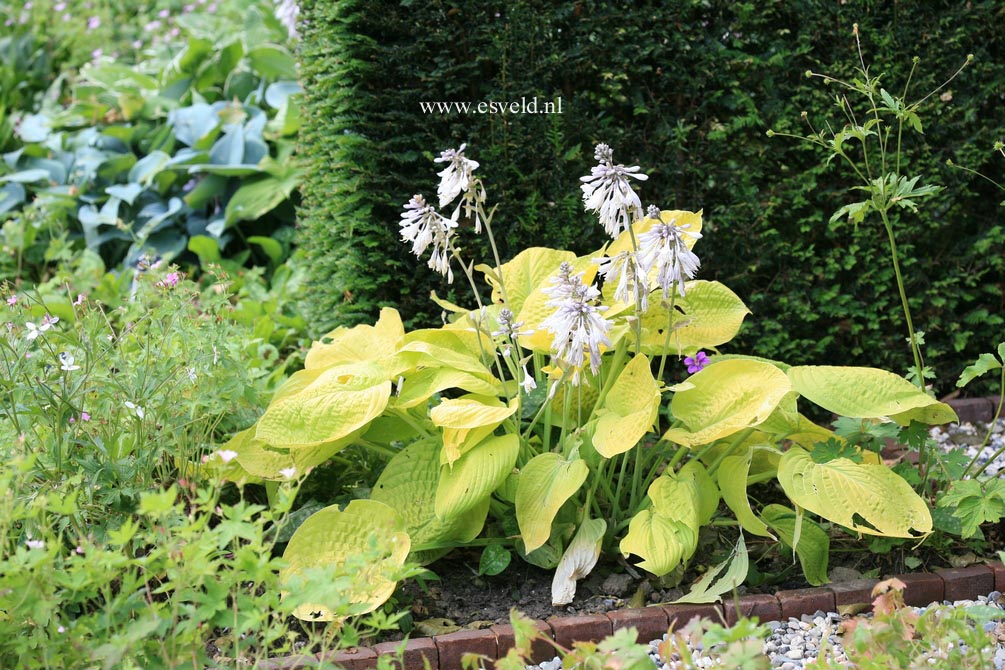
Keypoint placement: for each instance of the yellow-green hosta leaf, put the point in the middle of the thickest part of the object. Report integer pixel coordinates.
(841, 489)
(528, 270)
(933, 415)
(331, 536)
(578, 560)
(704, 591)
(676, 499)
(467, 420)
(629, 410)
(732, 476)
(708, 315)
(342, 399)
(475, 475)
(457, 337)
(359, 343)
(661, 542)
(408, 484)
(582, 398)
(545, 483)
(813, 548)
(867, 393)
(725, 398)
(420, 386)
(705, 490)
(424, 354)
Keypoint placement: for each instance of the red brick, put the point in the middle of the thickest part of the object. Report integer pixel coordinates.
(650, 622)
(540, 650)
(999, 571)
(797, 602)
(973, 410)
(923, 588)
(852, 592)
(967, 583)
(416, 652)
(452, 646)
(763, 606)
(679, 616)
(588, 628)
(357, 658)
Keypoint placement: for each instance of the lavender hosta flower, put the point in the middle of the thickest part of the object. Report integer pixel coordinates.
(508, 327)
(423, 226)
(630, 276)
(577, 323)
(609, 194)
(697, 362)
(456, 177)
(664, 247)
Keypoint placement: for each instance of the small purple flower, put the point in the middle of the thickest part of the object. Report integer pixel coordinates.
(696, 362)
(93, 23)
(12, 300)
(164, 13)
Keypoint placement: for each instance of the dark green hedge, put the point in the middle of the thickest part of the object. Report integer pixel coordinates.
(686, 89)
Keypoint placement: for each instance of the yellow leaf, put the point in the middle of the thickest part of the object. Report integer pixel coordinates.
(467, 420)
(629, 411)
(660, 541)
(732, 476)
(709, 314)
(545, 483)
(475, 475)
(359, 343)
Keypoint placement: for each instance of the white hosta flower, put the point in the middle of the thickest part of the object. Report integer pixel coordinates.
(576, 323)
(528, 384)
(609, 194)
(630, 275)
(136, 409)
(456, 177)
(423, 226)
(67, 362)
(664, 247)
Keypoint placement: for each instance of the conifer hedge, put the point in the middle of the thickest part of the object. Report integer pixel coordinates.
(687, 89)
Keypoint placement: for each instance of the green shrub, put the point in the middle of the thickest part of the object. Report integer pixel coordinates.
(690, 86)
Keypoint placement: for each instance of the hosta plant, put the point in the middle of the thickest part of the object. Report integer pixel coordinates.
(544, 408)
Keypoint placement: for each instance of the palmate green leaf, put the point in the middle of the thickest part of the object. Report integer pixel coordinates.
(329, 537)
(339, 401)
(704, 591)
(975, 502)
(629, 410)
(544, 484)
(725, 398)
(732, 478)
(865, 393)
(841, 490)
(408, 484)
(813, 547)
(985, 363)
(473, 477)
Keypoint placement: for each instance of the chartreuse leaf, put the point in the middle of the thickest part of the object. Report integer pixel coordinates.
(813, 547)
(359, 343)
(408, 484)
(704, 591)
(863, 392)
(578, 560)
(466, 421)
(708, 315)
(545, 483)
(475, 475)
(420, 386)
(660, 541)
(732, 477)
(340, 400)
(725, 398)
(841, 490)
(415, 354)
(329, 537)
(629, 410)
(705, 491)
(676, 498)
(452, 339)
(529, 269)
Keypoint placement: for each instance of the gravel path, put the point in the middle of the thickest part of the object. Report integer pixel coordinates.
(794, 643)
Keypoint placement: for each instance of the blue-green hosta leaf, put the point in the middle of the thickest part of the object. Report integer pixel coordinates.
(277, 93)
(149, 167)
(11, 195)
(26, 176)
(193, 123)
(229, 149)
(34, 128)
(125, 192)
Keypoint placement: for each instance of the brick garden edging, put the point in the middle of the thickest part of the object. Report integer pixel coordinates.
(444, 652)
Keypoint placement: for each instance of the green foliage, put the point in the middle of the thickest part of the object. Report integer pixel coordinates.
(187, 151)
(696, 101)
(975, 502)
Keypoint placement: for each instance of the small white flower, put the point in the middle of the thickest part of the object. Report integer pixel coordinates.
(35, 544)
(33, 331)
(192, 376)
(136, 409)
(577, 323)
(47, 323)
(456, 177)
(528, 382)
(423, 226)
(67, 362)
(289, 472)
(226, 455)
(609, 194)
(663, 246)
(627, 270)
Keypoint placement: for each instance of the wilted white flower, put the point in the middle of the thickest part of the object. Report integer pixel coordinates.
(608, 192)
(627, 270)
(456, 177)
(577, 322)
(663, 246)
(137, 410)
(226, 455)
(289, 472)
(67, 362)
(423, 226)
